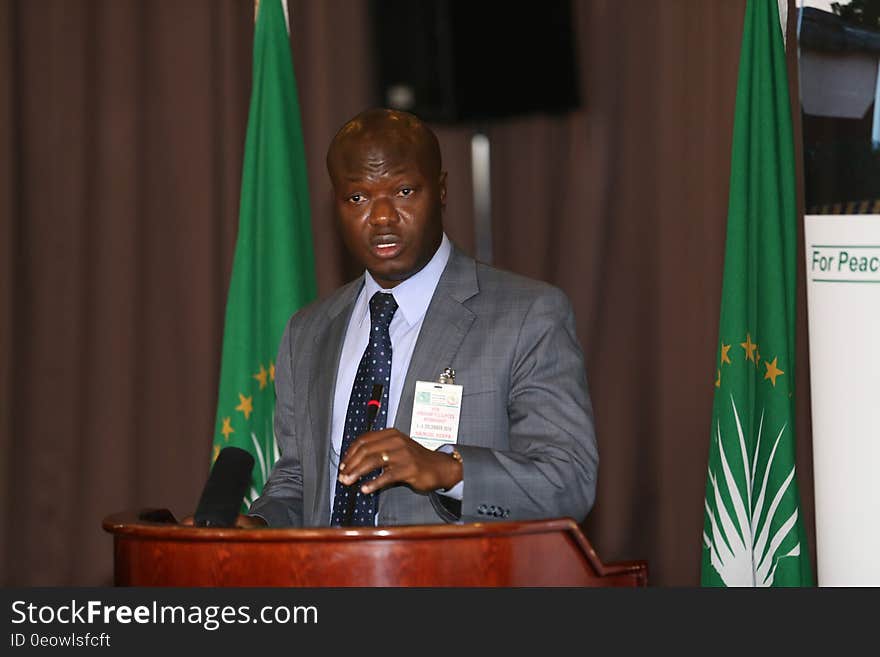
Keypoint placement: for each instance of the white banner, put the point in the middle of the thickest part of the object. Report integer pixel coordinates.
(843, 303)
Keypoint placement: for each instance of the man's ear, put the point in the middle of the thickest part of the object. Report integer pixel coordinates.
(441, 184)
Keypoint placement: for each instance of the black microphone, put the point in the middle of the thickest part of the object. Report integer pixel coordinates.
(221, 498)
(373, 405)
(372, 409)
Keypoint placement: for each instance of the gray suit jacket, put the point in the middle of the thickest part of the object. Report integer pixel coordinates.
(526, 430)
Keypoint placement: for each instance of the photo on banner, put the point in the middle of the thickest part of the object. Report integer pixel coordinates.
(839, 63)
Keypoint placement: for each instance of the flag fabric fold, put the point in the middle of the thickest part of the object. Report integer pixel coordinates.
(273, 272)
(753, 533)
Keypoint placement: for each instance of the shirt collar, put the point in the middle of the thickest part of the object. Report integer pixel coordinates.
(414, 294)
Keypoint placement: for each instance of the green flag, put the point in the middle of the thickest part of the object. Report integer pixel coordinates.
(753, 531)
(273, 273)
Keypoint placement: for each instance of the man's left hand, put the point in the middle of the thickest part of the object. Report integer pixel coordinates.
(401, 459)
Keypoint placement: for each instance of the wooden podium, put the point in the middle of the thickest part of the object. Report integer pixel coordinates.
(535, 553)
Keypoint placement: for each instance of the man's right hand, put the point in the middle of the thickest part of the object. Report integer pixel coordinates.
(242, 521)
(250, 522)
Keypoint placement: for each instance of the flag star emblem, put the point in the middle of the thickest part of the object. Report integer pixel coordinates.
(227, 428)
(261, 376)
(749, 347)
(772, 371)
(246, 406)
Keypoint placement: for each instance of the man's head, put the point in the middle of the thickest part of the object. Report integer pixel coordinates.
(389, 191)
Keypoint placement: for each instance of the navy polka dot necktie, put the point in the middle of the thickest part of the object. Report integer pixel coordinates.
(350, 506)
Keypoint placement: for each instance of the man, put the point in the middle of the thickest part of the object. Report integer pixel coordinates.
(526, 446)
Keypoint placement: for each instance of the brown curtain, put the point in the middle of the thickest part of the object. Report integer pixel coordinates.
(121, 135)
(123, 145)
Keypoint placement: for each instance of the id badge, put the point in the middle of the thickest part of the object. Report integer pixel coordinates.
(436, 410)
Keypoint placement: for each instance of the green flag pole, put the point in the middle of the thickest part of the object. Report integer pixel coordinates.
(753, 534)
(273, 272)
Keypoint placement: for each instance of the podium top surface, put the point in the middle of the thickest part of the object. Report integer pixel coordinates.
(131, 523)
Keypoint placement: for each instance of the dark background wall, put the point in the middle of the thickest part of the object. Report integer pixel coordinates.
(121, 138)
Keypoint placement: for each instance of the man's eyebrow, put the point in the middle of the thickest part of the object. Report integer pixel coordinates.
(402, 174)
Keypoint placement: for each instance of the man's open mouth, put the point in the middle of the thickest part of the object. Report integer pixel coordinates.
(386, 246)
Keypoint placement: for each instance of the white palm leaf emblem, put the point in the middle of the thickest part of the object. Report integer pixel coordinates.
(265, 460)
(740, 546)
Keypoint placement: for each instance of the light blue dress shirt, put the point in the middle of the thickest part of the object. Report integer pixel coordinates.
(413, 297)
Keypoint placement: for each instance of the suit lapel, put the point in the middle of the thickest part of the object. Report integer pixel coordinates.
(325, 366)
(446, 323)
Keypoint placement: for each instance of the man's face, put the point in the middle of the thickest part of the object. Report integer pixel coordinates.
(389, 204)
